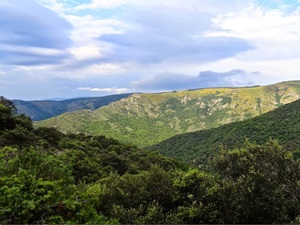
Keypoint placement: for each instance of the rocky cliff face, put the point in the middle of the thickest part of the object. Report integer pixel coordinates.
(146, 119)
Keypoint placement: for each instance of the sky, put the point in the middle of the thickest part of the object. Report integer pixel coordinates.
(79, 48)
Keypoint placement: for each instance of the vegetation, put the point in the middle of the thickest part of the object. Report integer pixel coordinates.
(47, 177)
(41, 110)
(147, 119)
(282, 124)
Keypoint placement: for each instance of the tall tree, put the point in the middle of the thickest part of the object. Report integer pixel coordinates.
(261, 184)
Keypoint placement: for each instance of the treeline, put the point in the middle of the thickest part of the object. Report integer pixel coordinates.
(47, 177)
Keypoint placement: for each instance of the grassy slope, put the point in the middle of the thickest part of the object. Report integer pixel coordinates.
(146, 119)
(41, 110)
(282, 124)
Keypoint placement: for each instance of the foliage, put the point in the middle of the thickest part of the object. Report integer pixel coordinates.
(6, 119)
(32, 185)
(47, 177)
(282, 124)
(140, 198)
(147, 119)
(265, 180)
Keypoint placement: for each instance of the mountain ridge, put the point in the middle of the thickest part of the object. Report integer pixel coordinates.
(146, 119)
(44, 109)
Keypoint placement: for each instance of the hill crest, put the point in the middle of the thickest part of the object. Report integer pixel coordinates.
(146, 119)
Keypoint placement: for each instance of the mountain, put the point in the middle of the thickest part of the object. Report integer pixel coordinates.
(282, 124)
(41, 110)
(54, 178)
(147, 119)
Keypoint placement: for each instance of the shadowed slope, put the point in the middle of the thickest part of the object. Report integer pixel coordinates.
(282, 124)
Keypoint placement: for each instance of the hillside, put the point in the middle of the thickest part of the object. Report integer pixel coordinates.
(282, 124)
(147, 119)
(52, 178)
(41, 110)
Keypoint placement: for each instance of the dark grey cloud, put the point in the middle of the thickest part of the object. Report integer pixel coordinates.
(31, 59)
(25, 26)
(167, 34)
(169, 81)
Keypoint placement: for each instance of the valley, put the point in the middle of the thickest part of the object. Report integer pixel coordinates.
(76, 178)
(45, 109)
(147, 119)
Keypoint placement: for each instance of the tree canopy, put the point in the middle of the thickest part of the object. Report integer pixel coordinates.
(47, 177)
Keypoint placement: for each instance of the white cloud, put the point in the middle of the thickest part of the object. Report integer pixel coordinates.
(88, 28)
(86, 45)
(85, 52)
(274, 33)
(54, 5)
(142, 39)
(113, 90)
(275, 36)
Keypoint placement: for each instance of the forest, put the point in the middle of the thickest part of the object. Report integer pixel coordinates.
(47, 177)
(282, 124)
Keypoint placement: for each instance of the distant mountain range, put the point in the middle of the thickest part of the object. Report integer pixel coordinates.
(282, 124)
(147, 119)
(44, 109)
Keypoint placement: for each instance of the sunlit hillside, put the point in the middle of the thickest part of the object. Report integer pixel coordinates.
(146, 119)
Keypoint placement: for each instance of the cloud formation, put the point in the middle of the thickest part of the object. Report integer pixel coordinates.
(32, 34)
(161, 34)
(168, 81)
(52, 47)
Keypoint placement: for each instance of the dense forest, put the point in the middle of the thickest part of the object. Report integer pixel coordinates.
(47, 177)
(282, 124)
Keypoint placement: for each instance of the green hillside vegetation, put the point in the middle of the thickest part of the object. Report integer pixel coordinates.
(41, 110)
(147, 119)
(47, 177)
(282, 124)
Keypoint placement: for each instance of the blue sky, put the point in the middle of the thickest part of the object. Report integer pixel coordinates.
(72, 48)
